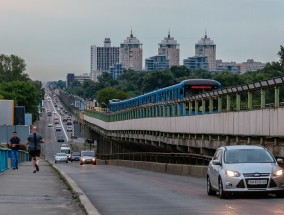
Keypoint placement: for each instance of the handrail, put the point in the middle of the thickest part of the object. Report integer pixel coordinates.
(5, 158)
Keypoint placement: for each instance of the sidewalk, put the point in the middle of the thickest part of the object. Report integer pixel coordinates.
(23, 192)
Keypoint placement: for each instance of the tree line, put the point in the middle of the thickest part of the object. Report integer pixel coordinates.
(16, 85)
(132, 83)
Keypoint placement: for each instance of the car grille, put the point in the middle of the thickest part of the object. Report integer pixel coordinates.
(256, 174)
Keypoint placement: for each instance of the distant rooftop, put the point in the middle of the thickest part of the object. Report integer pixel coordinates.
(205, 41)
(169, 40)
(132, 40)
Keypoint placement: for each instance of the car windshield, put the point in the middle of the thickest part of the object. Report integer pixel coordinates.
(76, 153)
(61, 154)
(66, 151)
(89, 153)
(248, 156)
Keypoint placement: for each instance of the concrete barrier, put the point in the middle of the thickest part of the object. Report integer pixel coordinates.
(175, 169)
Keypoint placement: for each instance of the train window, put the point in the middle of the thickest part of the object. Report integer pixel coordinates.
(181, 91)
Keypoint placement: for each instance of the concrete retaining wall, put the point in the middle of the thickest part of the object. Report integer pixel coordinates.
(176, 169)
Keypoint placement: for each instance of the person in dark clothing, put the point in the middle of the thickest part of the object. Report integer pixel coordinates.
(34, 140)
(15, 145)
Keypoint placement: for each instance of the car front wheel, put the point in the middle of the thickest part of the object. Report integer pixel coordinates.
(210, 191)
(81, 163)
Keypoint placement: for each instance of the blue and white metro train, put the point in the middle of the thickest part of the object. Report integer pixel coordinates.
(181, 90)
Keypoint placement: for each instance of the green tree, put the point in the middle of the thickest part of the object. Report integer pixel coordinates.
(12, 68)
(103, 96)
(26, 94)
(281, 55)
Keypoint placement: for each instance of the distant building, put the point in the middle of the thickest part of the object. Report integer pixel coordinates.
(196, 62)
(69, 79)
(116, 70)
(102, 58)
(206, 47)
(156, 62)
(170, 48)
(82, 78)
(228, 66)
(251, 65)
(130, 53)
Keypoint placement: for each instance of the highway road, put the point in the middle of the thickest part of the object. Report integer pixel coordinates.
(119, 190)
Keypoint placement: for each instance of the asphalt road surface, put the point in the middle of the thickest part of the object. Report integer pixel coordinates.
(118, 190)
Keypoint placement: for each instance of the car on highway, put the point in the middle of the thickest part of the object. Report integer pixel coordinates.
(75, 121)
(244, 168)
(61, 157)
(66, 150)
(69, 128)
(64, 119)
(64, 145)
(50, 125)
(60, 138)
(88, 157)
(75, 156)
(58, 128)
(56, 122)
(69, 123)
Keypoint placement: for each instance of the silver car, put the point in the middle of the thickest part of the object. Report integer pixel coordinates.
(244, 168)
(61, 157)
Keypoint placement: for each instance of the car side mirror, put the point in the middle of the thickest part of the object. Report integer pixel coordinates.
(216, 162)
(280, 160)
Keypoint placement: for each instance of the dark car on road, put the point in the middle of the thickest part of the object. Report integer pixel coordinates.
(60, 139)
(75, 156)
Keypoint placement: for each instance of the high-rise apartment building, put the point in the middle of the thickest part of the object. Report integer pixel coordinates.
(206, 47)
(130, 53)
(102, 58)
(196, 62)
(156, 62)
(170, 48)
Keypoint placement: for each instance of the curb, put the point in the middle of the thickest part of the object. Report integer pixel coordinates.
(84, 200)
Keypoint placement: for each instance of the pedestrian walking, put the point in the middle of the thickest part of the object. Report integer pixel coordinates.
(15, 146)
(33, 142)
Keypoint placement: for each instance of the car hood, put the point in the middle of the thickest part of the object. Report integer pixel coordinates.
(252, 167)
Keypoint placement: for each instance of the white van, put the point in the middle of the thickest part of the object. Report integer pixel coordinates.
(66, 150)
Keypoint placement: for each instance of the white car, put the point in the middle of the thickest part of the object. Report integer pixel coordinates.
(244, 168)
(69, 128)
(61, 157)
(58, 128)
(88, 157)
(50, 125)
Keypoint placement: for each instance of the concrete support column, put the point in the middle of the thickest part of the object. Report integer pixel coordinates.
(276, 97)
(173, 110)
(203, 106)
(184, 108)
(179, 109)
(210, 105)
(238, 102)
(249, 100)
(220, 104)
(196, 106)
(262, 98)
(228, 108)
(189, 108)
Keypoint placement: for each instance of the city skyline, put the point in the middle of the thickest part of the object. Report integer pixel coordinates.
(54, 38)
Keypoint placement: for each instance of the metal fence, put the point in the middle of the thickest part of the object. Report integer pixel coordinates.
(5, 158)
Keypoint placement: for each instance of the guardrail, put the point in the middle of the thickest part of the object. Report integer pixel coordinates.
(5, 158)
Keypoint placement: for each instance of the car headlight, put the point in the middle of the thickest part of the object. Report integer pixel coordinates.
(83, 159)
(278, 172)
(232, 173)
(94, 159)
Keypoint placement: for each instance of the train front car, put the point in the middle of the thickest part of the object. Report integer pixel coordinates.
(197, 86)
(194, 87)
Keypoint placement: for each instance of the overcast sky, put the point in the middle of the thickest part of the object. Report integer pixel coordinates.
(54, 36)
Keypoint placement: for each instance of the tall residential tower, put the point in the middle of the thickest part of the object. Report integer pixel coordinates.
(131, 53)
(102, 58)
(170, 48)
(206, 47)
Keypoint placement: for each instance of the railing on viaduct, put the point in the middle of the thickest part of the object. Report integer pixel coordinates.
(235, 115)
